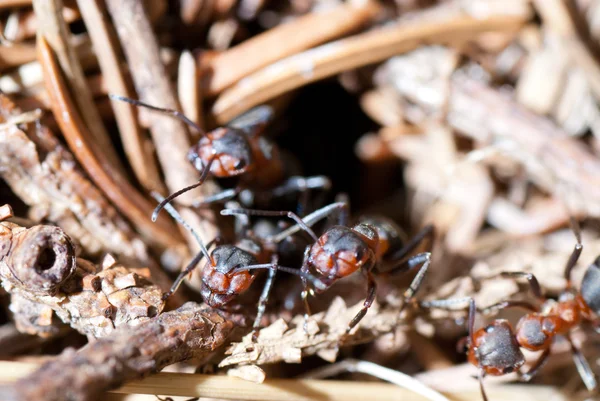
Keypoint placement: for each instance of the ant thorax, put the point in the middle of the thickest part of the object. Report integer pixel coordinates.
(391, 237)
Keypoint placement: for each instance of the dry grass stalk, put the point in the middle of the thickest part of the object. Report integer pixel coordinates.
(54, 29)
(223, 387)
(307, 31)
(138, 147)
(353, 52)
(127, 199)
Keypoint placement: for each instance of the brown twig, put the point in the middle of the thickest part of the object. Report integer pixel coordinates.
(192, 331)
(230, 66)
(137, 147)
(55, 32)
(39, 265)
(127, 199)
(153, 86)
(353, 52)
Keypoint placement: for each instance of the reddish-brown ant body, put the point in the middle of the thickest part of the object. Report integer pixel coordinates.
(231, 269)
(374, 244)
(235, 150)
(496, 348)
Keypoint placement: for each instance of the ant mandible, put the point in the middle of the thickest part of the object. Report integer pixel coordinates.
(230, 270)
(373, 244)
(234, 150)
(496, 348)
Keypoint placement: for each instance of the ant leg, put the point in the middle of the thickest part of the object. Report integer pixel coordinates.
(533, 282)
(509, 304)
(177, 217)
(306, 269)
(371, 290)
(480, 377)
(423, 259)
(264, 298)
(171, 112)
(308, 220)
(526, 376)
(222, 196)
(301, 184)
(255, 212)
(165, 201)
(583, 368)
(189, 268)
(450, 305)
(576, 251)
(428, 232)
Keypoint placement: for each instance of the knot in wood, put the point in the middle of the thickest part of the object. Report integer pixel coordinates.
(41, 258)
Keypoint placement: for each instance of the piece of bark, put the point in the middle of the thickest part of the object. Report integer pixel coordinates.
(44, 176)
(553, 160)
(39, 265)
(326, 333)
(35, 318)
(192, 331)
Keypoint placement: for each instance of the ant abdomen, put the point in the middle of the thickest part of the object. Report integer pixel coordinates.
(495, 349)
(590, 287)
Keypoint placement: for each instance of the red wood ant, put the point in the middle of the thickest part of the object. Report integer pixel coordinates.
(231, 269)
(373, 244)
(496, 348)
(234, 150)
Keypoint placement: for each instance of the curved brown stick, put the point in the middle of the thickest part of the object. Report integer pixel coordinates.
(227, 68)
(126, 198)
(353, 52)
(53, 28)
(192, 331)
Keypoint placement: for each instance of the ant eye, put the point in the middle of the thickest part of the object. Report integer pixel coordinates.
(240, 165)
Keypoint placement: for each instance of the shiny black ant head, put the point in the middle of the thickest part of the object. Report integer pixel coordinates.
(231, 149)
(590, 286)
(495, 349)
(391, 236)
(228, 257)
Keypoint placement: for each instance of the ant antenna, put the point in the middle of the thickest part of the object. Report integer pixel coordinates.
(315, 281)
(171, 112)
(165, 201)
(177, 217)
(254, 212)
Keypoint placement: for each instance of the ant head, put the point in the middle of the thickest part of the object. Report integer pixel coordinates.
(495, 349)
(590, 286)
(230, 148)
(222, 283)
(228, 257)
(341, 251)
